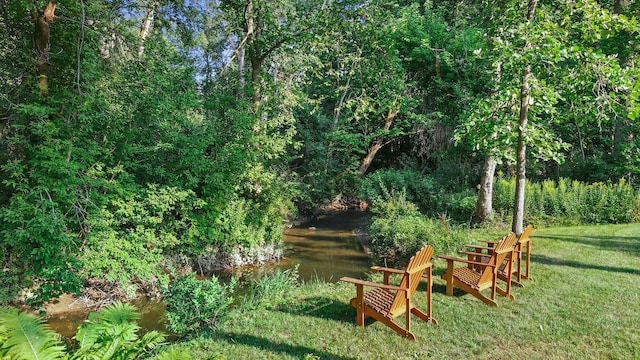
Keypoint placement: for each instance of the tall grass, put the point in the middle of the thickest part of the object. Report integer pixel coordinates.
(271, 289)
(570, 202)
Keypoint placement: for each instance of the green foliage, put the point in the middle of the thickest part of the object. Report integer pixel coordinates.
(419, 188)
(244, 223)
(124, 164)
(176, 354)
(36, 233)
(24, 337)
(197, 306)
(571, 202)
(398, 230)
(131, 235)
(432, 195)
(111, 333)
(108, 334)
(11, 283)
(271, 289)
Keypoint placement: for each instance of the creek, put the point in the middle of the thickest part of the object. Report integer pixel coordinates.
(325, 248)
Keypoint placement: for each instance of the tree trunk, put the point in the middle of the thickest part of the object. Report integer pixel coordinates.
(251, 31)
(484, 206)
(378, 143)
(43, 22)
(147, 24)
(521, 164)
(618, 5)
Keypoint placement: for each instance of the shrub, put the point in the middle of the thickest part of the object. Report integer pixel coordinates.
(197, 306)
(431, 196)
(417, 187)
(10, 284)
(398, 230)
(130, 237)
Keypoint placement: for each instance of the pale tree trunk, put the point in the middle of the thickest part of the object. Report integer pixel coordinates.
(240, 54)
(251, 31)
(525, 102)
(484, 206)
(147, 25)
(378, 143)
(43, 22)
(521, 165)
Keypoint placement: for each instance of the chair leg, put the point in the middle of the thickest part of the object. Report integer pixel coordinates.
(519, 265)
(407, 316)
(448, 277)
(528, 259)
(360, 305)
(494, 286)
(397, 328)
(429, 292)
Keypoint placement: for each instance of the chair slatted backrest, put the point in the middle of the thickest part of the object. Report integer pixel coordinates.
(502, 248)
(411, 278)
(524, 237)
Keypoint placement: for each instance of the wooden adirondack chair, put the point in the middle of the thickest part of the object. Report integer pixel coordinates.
(474, 282)
(386, 302)
(522, 247)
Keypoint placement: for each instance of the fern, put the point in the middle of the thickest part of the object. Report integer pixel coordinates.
(24, 337)
(111, 334)
(108, 334)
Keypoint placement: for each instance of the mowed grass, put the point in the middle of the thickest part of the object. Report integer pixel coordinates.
(584, 303)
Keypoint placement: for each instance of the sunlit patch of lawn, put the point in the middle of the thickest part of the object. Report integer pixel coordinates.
(584, 303)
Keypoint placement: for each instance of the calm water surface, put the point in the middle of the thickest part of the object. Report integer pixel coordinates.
(324, 248)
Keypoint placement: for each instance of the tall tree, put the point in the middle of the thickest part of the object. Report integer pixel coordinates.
(549, 69)
(523, 120)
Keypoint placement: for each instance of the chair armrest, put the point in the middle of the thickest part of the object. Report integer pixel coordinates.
(479, 247)
(475, 254)
(449, 258)
(389, 270)
(372, 284)
(398, 272)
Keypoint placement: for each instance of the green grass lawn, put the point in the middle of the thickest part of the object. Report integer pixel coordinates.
(584, 303)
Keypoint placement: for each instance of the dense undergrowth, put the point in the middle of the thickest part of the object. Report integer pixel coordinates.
(551, 202)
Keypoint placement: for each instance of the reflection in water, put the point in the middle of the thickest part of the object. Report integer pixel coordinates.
(325, 249)
(66, 324)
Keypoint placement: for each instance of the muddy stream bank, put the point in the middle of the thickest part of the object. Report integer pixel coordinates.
(324, 248)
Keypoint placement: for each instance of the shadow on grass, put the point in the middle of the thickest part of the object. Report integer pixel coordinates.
(457, 292)
(542, 259)
(278, 347)
(630, 244)
(322, 307)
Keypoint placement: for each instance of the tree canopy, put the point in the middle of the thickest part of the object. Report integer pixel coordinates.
(137, 133)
